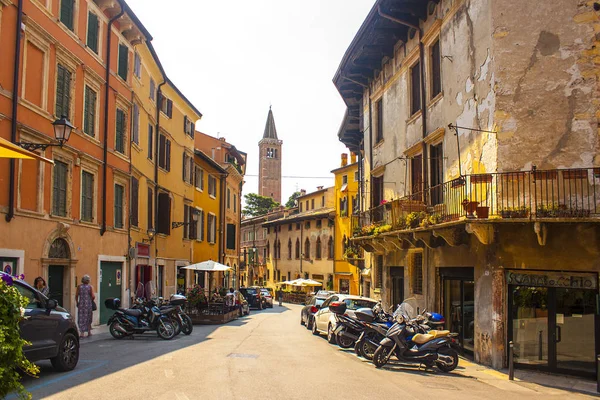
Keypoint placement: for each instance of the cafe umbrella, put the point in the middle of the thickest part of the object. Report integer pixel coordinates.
(208, 266)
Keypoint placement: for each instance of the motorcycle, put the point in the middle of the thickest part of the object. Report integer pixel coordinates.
(173, 309)
(377, 322)
(405, 341)
(129, 321)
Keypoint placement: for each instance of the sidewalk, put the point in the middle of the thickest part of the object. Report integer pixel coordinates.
(99, 332)
(526, 381)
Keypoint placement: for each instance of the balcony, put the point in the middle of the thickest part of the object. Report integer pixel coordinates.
(537, 195)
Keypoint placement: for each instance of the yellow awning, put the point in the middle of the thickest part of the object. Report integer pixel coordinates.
(11, 150)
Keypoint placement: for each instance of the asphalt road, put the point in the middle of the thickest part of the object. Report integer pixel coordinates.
(266, 355)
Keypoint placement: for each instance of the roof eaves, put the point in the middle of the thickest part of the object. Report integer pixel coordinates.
(209, 160)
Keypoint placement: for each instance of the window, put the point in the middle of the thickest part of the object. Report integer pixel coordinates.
(354, 205)
(270, 153)
(379, 271)
(189, 229)
(67, 13)
(134, 212)
(416, 175)
(234, 203)
(163, 225)
(322, 201)
(330, 248)
(188, 126)
(344, 206)
(166, 105)
(93, 32)
(87, 196)
(231, 237)
(152, 90)
(199, 177)
(164, 153)
(307, 249)
(289, 249)
(319, 223)
(150, 209)
(228, 198)
(417, 273)
(150, 142)
(318, 249)
(436, 169)
(137, 65)
(312, 204)
(135, 133)
(123, 61)
(307, 205)
(63, 92)
(356, 176)
(212, 186)
(297, 249)
(120, 124)
(119, 198)
(212, 228)
(436, 72)
(300, 207)
(344, 179)
(32, 301)
(307, 225)
(298, 226)
(268, 249)
(59, 189)
(89, 112)
(415, 88)
(188, 168)
(200, 226)
(379, 109)
(289, 227)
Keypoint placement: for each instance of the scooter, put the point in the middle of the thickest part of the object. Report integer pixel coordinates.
(129, 321)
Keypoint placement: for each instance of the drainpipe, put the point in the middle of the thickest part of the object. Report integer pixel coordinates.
(131, 202)
(238, 240)
(222, 220)
(106, 92)
(15, 104)
(370, 146)
(156, 142)
(301, 246)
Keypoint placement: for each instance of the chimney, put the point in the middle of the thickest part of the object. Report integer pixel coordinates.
(302, 192)
(344, 159)
(352, 158)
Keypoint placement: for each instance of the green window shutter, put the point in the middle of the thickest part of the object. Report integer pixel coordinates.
(87, 196)
(66, 13)
(119, 206)
(59, 189)
(123, 60)
(63, 91)
(92, 34)
(89, 125)
(120, 131)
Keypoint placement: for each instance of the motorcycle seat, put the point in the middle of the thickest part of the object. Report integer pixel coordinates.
(422, 338)
(132, 312)
(439, 334)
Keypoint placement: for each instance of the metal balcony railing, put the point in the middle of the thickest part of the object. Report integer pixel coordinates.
(556, 193)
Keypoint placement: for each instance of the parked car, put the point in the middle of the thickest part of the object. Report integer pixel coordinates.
(309, 310)
(49, 328)
(325, 293)
(324, 320)
(253, 297)
(267, 297)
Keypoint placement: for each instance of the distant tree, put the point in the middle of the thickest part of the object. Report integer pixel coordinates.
(258, 205)
(292, 200)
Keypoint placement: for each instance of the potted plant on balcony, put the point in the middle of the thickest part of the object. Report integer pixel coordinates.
(381, 229)
(432, 219)
(514, 212)
(547, 210)
(413, 220)
(470, 207)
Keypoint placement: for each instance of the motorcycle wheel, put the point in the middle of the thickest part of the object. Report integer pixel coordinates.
(448, 353)
(114, 332)
(188, 326)
(165, 330)
(358, 348)
(381, 356)
(176, 325)
(366, 349)
(344, 342)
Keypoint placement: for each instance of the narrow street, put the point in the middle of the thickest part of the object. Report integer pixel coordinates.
(267, 355)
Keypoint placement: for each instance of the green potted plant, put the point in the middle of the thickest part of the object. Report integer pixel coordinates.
(413, 220)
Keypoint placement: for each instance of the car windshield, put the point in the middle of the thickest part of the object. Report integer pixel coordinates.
(251, 291)
(354, 304)
(264, 291)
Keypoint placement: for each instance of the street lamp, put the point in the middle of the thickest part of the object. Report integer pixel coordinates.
(62, 133)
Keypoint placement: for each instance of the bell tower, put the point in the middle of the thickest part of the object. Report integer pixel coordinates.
(269, 166)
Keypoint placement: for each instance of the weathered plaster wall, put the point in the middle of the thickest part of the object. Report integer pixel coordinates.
(547, 83)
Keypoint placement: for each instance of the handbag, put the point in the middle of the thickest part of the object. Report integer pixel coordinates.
(94, 306)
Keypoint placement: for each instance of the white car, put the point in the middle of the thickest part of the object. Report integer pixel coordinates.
(324, 320)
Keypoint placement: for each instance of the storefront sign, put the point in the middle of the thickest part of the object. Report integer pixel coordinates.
(142, 250)
(572, 280)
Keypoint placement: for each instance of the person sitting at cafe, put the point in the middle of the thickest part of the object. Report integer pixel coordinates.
(230, 300)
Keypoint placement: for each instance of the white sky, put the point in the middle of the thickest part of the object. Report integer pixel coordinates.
(232, 59)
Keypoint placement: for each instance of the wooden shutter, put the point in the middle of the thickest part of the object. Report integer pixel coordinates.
(152, 89)
(87, 196)
(150, 209)
(230, 236)
(185, 125)
(120, 131)
(186, 220)
(436, 73)
(184, 166)
(135, 135)
(134, 201)
(92, 34)
(168, 155)
(170, 108)
(415, 83)
(162, 151)
(59, 189)
(66, 13)
(63, 91)
(164, 214)
(123, 60)
(193, 129)
(150, 141)
(90, 112)
(201, 225)
(193, 224)
(118, 206)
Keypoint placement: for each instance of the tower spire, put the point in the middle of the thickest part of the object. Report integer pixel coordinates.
(270, 131)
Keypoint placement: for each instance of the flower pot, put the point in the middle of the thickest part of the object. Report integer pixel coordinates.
(482, 212)
(481, 178)
(470, 207)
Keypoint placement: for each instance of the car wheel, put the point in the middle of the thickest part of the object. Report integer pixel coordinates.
(330, 335)
(309, 323)
(68, 354)
(302, 320)
(314, 328)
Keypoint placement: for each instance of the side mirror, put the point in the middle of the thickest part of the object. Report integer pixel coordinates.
(51, 304)
(318, 306)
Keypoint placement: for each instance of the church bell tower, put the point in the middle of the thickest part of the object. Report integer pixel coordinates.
(269, 167)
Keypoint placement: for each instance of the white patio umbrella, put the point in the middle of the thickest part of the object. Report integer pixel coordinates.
(310, 282)
(208, 266)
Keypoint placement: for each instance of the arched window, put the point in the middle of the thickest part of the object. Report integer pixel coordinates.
(289, 249)
(59, 249)
(330, 247)
(318, 249)
(297, 249)
(307, 249)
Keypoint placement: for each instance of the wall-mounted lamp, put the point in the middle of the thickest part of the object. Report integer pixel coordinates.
(175, 225)
(62, 133)
(151, 233)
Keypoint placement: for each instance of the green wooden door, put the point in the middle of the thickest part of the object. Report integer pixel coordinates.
(55, 283)
(110, 286)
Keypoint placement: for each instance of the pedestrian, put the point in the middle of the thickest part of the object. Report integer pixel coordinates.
(280, 296)
(84, 298)
(40, 284)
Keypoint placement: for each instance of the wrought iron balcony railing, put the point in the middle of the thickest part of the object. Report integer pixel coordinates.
(535, 194)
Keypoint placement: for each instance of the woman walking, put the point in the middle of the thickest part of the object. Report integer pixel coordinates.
(40, 284)
(84, 298)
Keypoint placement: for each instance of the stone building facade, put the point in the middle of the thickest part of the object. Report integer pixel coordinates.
(476, 129)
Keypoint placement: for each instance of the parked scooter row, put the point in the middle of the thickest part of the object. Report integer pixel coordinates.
(166, 318)
(376, 335)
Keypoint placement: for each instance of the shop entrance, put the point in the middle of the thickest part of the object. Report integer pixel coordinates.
(458, 288)
(553, 328)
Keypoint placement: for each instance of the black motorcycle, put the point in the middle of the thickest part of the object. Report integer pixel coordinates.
(376, 323)
(129, 321)
(173, 308)
(405, 341)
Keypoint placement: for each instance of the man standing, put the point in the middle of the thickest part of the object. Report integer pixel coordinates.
(280, 296)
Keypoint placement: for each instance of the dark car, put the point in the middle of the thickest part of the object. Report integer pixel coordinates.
(50, 329)
(253, 297)
(306, 315)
